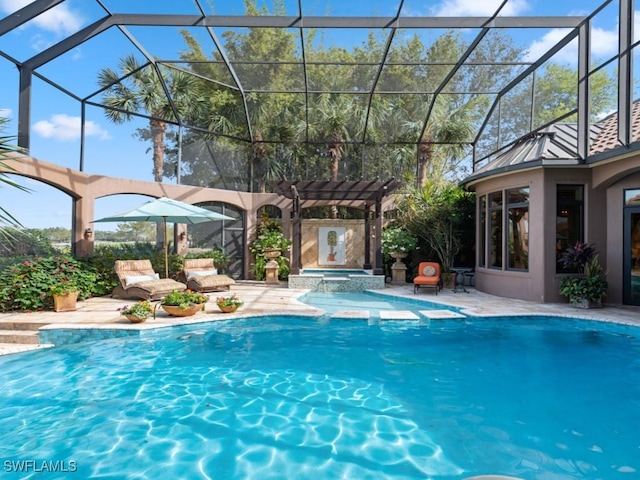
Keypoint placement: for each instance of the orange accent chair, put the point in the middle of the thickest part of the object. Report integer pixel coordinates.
(428, 276)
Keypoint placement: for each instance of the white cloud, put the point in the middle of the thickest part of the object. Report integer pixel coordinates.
(539, 47)
(5, 112)
(59, 19)
(64, 127)
(604, 44)
(478, 8)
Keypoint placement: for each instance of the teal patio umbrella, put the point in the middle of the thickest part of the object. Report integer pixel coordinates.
(166, 210)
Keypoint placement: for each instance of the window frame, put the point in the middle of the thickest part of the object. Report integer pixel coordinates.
(499, 208)
(581, 220)
(507, 228)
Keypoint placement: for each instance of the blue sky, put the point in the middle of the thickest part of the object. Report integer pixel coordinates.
(111, 150)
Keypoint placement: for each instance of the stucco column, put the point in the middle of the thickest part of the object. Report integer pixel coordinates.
(82, 236)
(181, 238)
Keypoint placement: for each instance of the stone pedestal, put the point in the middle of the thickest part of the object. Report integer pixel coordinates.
(398, 269)
(398, 273)
(271, 270)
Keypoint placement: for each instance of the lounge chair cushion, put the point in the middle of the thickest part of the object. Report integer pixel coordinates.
(210, 282)
(131, 279)
(201, 273)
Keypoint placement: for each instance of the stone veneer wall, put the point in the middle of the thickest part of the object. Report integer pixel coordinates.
(354, 242)
(350, 283)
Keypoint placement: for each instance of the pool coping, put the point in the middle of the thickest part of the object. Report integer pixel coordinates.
(99, 315)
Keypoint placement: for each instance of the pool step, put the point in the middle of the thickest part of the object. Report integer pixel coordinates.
(398, 315)
(21, 325)
(440, 314)
(19, 336)
(25, 333)
(351, 315)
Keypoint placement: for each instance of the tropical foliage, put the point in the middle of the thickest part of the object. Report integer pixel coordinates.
(590, 283)
(6, 162)
(269, 236)
(398, 240)
(442, 215)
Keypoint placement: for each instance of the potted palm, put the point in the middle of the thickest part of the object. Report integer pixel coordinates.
(65, 296)
(183, 304)
(137, 312)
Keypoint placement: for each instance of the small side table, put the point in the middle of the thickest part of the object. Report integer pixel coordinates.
(460, 279)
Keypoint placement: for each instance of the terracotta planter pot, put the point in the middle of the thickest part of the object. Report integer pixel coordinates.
(176, 311)
(134, 318)
(272, 253)
(449, 279)
(66, 302)
(228, 308)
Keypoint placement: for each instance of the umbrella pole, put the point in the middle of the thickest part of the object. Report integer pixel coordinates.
(166, 251)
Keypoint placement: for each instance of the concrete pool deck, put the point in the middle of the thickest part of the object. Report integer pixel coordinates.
(102, 312)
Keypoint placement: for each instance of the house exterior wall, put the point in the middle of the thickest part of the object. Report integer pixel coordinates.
(594, 221)
(541, 283)
(526, 285)
(614, 229)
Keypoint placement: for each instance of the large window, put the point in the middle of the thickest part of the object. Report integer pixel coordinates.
(518, 228)
(569, 219)
(495, 225)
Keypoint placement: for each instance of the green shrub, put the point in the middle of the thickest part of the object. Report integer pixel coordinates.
(20, 243)
(269, 236)
(27, 286)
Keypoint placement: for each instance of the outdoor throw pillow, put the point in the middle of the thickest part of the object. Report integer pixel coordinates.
(429, 271)
(201, 273)
(131, 279)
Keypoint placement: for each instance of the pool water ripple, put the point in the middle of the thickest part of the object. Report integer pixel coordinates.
(299, 397)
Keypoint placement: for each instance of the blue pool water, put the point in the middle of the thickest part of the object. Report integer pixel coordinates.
(371, 301)
(297, 398)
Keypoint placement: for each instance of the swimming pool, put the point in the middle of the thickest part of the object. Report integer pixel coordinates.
(288, 397)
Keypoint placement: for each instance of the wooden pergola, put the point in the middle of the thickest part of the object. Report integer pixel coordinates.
(370, 192)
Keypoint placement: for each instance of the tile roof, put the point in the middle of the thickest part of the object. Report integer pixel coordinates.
(558, 144)
(608, 138)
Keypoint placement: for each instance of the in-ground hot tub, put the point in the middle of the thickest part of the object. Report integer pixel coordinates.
(336, 280)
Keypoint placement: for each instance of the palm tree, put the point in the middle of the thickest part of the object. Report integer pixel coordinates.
(139, 89)
(6, 147)
(332, 116)
(440, 147)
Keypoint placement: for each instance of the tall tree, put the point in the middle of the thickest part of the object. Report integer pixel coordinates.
(167, 98)
(138, 89)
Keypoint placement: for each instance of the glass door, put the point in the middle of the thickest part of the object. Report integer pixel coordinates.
(631, 246)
